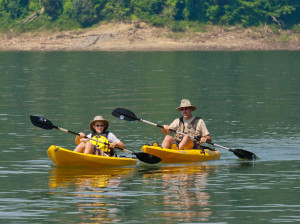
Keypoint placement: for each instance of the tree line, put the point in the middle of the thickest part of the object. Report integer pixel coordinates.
(85, 13)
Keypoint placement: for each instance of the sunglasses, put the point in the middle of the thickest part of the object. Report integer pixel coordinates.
(99, 125)
(185, 108)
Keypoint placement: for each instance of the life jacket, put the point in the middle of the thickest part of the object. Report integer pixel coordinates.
(103, 138)
(189, 131)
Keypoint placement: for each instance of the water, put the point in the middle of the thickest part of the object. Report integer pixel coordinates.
(249, 100)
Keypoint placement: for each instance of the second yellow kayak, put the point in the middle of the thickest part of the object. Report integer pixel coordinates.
(174, 156)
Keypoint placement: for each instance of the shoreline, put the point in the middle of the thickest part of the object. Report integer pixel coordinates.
(127, 37)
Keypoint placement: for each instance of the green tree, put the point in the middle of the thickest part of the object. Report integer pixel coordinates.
(276, 11)
(14, 8)
(145, 8)
(255, 12)
(170, 10)
(193, 10)
(161, 13)
(3, 7)
(53, 7)
(148, 10)
(85, 12)
(117, 10)
(68, 8)
(34, 5)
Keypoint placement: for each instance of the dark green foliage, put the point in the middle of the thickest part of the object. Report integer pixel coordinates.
(14, 8)
(85, 12)
(169, 13)
(116, 10)
(53, 7)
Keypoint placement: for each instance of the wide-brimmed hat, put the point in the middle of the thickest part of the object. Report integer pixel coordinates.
(96, 119)
(186, 103)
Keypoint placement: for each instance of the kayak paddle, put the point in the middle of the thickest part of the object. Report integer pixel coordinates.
(128, 115)
(46, 124)
(241, 153)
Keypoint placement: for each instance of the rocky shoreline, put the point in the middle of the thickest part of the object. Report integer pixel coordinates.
(130, 37)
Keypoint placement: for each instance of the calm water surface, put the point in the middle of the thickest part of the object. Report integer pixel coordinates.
(249, 100)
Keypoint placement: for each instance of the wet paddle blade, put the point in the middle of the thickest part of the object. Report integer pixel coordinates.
(147, 158)
(244, 154)
(124, 114)
(41, 122)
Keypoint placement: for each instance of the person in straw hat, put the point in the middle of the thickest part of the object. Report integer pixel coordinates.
(188, 124)
(105, 140)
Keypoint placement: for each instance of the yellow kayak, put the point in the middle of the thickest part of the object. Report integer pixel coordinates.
(174, 156)
(64, 157)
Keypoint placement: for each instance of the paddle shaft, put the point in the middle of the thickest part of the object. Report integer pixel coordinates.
(181, 133)
(172, 130)
(128, 115)
(74, 133)
(241, 153)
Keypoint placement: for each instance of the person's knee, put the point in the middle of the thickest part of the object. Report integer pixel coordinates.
(186, 143)
(89, 148)
(167, 142)
(169, 138)
(186, 138)
(80, 147)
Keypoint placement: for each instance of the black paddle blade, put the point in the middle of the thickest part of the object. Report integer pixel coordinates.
(41, 122)
(147, 158)
(124, 114)
(244, 154)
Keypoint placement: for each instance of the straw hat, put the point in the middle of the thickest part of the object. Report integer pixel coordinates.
(96, 119)
(186, 103)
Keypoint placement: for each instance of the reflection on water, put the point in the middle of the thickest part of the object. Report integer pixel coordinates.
(182, 191)
(92, 188)
(82, 178)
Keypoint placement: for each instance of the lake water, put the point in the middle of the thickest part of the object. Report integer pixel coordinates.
(249, 100)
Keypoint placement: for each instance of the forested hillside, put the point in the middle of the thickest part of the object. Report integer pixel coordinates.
(28, 15)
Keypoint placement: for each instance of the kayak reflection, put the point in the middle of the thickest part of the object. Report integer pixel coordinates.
(186, 197)
(87, 193)
(177, 193)
(92, 178)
